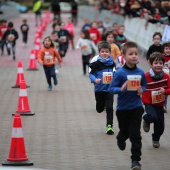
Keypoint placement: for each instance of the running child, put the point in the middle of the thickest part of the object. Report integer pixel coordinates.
(166, 54)
(110, 38)
(24, 29)
(86, 45)
(47, 57)
(3, 28)
(129, 83)
(101, 75)
(70, 28)
(158, 85)
(120, 38)
(94, 33)
(64, 36)
(156, 46)
(10, 36)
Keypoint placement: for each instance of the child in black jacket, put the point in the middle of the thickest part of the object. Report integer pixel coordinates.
(11, 35)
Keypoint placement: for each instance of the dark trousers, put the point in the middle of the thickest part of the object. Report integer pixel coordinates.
(11, 47)
(105, 100)
(49, 72)
(24, 37)
(85, 61)
(155, 115)
(3, 43)
(129, 127)
(74, 17)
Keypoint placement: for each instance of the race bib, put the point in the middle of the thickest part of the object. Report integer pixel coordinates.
(11, 37)
(93, 36)
(63, 39)
(166, 70)
(48, 59)
(84, 47)
(133, 82)
(24, 28)
(107, 77)
(157, 97)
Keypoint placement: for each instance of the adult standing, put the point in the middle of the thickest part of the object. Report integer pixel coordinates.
(55, 8)
(74, 11)
(37, 4)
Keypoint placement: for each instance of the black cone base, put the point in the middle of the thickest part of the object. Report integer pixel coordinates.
(25, 113)
(21, 163)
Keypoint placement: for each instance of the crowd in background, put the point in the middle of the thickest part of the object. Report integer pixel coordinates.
(154, 11)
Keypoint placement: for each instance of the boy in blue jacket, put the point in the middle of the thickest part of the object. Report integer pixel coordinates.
(101, 75)
(129, 83)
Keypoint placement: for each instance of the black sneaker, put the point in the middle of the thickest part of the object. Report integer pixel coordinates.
(146, 126)
(121, 145)
(136, 165)
(155, 144)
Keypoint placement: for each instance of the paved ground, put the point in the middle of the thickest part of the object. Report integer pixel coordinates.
(66, 133)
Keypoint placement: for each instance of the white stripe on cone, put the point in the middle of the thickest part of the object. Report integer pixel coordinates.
(32, 56)
(17, 133)
(23, 92)
(20, 70)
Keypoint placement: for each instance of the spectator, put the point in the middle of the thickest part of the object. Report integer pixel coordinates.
(55, 8)
(37, 4)
(74, 11)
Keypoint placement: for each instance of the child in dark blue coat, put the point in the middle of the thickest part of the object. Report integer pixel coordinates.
(101, 75)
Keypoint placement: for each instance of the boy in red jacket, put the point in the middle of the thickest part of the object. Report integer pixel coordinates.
(158, 85)
(94, 33)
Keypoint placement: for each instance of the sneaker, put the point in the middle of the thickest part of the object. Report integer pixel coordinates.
(55, 81)
(146, 126)
(136, 165)
(155, 144)
(165, 109)
(109, 130)
(121, 145)
(49, 88)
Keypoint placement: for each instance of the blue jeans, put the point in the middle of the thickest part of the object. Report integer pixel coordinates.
(50, 72)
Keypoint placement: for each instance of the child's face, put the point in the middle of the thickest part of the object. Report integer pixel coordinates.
(94, 25)
(110, 39)
(82, 35)
(54, 37)
(157, 66)
(131, 56)
(3, 24)
(167, 50)
(104, 53)
(47, 42)
(62, 26)
(156, 40)
(115, 27)
(121, 30)
(106, 20)
(57, 28)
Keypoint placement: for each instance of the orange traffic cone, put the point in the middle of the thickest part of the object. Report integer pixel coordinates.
(32, 65)
(20, 75)
(23, 104)
(17, 154)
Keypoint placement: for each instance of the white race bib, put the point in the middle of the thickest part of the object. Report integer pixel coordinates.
(133, 82)
(107, 77)
(157, 97)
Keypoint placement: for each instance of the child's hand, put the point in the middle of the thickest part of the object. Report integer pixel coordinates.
(124, 86)
(162, 90)
(41, 63)
(139, 90)
(59, 64)
(97, 81)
